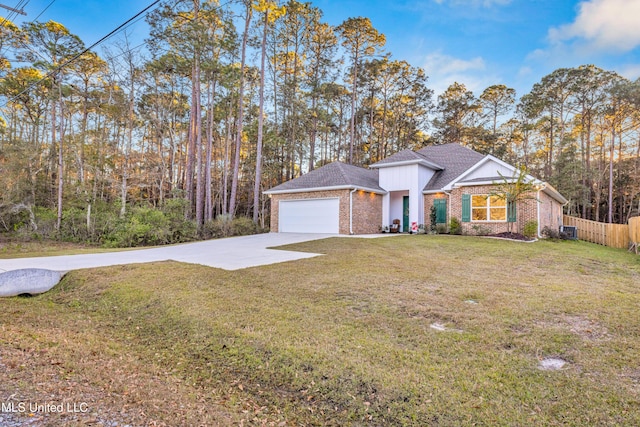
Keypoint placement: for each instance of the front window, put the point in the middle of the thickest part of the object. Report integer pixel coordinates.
(488, 208)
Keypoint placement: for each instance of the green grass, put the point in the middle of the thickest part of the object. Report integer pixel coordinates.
(41, 248)
(342, 339)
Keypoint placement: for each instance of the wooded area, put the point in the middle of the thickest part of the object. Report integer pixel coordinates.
(225, 100)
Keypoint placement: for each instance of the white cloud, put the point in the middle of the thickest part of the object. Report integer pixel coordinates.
(632, 72)
(603, 24)
(444, 70)
(446, 64)
(525, 71)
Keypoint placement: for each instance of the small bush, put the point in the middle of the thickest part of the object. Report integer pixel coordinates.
(481, 230)
(147, 226)
(180, 228)
(552, 233)
(140, 227)
(104, 221)
(530, 229)
(224, 226)
(15, 218)
(243, 226)
(73, 227)
(46, 221)
(441, 229)
(433, 218)
(219, 227)
(455, 227)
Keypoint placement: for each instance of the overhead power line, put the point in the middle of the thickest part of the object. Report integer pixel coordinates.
(112, 32)
(44, 10)
(61, 66)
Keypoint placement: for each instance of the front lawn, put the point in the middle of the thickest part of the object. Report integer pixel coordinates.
(410, 330)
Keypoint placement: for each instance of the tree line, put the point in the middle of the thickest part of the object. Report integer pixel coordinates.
(225, 100)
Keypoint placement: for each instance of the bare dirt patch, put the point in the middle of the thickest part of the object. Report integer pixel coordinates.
(584, 328)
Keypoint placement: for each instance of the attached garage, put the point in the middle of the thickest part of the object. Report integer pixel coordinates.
(309, 216)
(334, 199)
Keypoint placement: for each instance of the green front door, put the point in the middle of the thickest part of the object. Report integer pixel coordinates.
(405, 214)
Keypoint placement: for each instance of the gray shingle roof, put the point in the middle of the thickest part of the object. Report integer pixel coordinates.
(405, 156)
(454, 158)
(336, 174)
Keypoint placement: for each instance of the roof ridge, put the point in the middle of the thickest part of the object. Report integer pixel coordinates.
(342, 171)
(418, 153)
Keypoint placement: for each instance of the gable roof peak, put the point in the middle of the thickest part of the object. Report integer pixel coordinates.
(406, 157)
(455, 158)
(334, 175)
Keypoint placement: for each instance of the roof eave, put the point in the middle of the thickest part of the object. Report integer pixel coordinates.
(474, 183)
(504, 180)
(330, 188)
(554, 194)
(426, 163)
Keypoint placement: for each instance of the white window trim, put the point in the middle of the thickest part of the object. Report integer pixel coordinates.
(487, 210)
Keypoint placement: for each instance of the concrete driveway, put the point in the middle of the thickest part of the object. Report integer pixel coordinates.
(232, 253)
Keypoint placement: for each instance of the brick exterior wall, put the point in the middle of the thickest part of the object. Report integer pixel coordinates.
(526, 210)
(550, 212)
(367, 213)
(367, 209)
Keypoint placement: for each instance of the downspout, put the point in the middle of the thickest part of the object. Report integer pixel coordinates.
(351, 210)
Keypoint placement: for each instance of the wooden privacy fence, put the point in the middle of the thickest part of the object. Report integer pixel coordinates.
(612, 235)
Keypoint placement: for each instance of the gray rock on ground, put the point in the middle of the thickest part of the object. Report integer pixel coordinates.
(28, 281)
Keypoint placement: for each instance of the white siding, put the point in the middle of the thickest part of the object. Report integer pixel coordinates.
(396, 205)
(406, 180)
(400, 178)
(489, 170)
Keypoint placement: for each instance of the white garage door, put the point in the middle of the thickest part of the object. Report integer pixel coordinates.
(309, 216)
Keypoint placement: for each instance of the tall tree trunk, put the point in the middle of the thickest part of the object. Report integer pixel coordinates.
(198, 147)
(227, 153)
(258, 178)
(191, 148)
(60, 161)
(236, 161)
(129, 144)
(352, 124)
(54, 121)
(611, 153)
(208, 211)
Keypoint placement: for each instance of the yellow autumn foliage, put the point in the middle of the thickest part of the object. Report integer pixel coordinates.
(56, 28)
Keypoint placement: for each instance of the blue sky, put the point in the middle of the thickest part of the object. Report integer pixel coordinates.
(475, 42)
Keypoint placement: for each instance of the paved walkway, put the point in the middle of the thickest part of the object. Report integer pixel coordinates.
(232, 253)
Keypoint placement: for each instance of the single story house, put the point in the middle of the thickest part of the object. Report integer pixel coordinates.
(459, 182)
